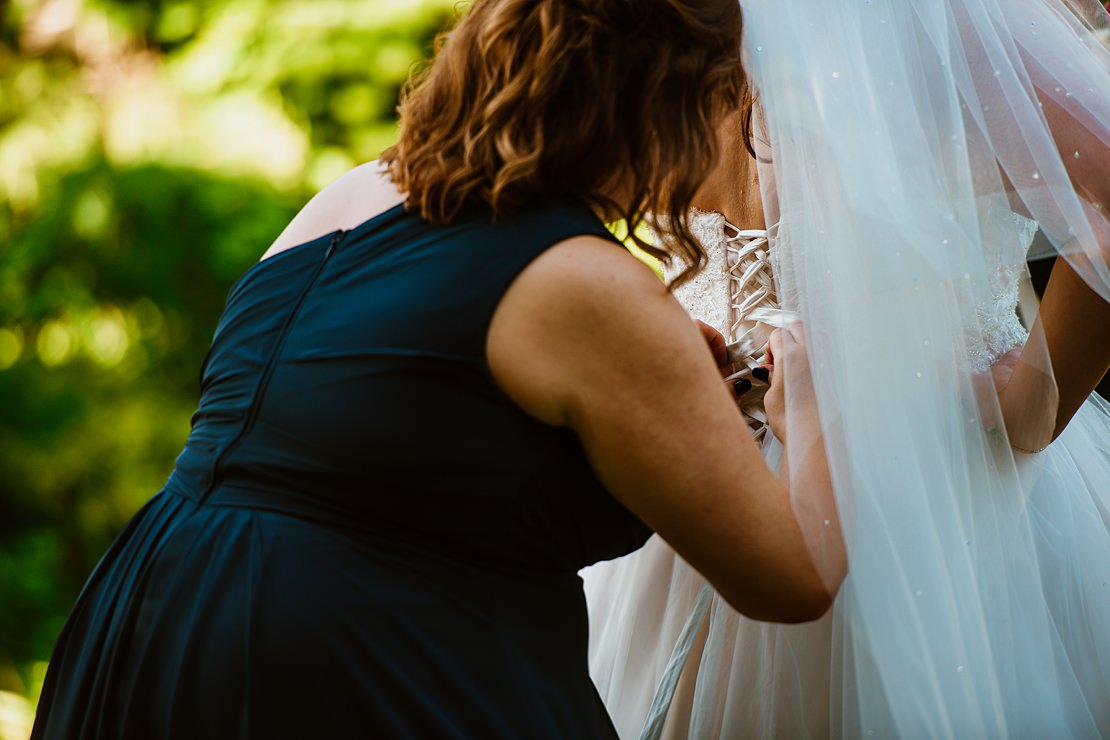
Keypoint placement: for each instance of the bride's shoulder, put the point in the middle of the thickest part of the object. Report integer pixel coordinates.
(351, 199)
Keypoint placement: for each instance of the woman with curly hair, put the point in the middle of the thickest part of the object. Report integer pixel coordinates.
(443, 391)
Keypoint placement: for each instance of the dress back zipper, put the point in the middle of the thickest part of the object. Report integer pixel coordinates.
(216, 476)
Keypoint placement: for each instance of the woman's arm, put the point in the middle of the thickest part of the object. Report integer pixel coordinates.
(588, 338)
(1073, 325)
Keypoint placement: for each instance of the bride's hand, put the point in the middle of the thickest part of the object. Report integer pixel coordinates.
(1027, 397)
(1003, 369)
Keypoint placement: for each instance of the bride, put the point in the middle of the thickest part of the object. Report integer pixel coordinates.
(908, 156)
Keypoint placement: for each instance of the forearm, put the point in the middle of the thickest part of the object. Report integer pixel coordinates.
(1076, 325)
(1069, 349)
(805, 476)
(1075, 320)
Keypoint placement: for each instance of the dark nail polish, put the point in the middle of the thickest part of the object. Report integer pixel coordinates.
(760, 373)
(740, 387)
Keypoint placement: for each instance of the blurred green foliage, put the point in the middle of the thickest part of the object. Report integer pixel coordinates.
(149, 152)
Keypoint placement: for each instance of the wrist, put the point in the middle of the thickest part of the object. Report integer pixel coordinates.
(1029, 403)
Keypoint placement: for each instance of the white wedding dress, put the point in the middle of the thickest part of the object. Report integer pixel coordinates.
(747, 679)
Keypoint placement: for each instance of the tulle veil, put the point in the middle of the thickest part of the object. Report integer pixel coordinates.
(892, 130)
(898, 140)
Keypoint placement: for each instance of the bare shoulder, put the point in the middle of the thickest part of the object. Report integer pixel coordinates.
(589, 268)
(356, 196)
(582, 298)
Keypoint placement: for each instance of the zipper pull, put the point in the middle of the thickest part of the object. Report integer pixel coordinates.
(335, 239)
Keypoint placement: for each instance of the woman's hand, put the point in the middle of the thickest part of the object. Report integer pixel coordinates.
(774, 401)
(717, 346)
(786, 351)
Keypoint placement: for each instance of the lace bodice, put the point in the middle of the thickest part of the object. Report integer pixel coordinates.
(736, 295)
(1000, 330)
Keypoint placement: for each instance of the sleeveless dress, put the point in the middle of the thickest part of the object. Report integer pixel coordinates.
(363, 537)
(672, 659)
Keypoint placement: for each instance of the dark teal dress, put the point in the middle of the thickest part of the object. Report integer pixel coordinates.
(363, 537)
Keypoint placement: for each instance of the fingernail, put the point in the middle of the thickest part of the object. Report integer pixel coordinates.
(740, 387)
(760, 373)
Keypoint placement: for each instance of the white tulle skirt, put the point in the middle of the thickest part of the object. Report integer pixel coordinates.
(748, 679)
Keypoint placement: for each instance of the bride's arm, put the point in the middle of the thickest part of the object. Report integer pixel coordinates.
(1073, 325)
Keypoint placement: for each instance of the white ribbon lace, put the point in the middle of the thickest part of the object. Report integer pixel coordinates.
(754, 301)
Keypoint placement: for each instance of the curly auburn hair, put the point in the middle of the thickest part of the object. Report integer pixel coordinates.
(529, 100)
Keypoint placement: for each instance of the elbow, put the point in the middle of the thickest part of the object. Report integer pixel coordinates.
(808, 607)
(795, 605)
(813, 597)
